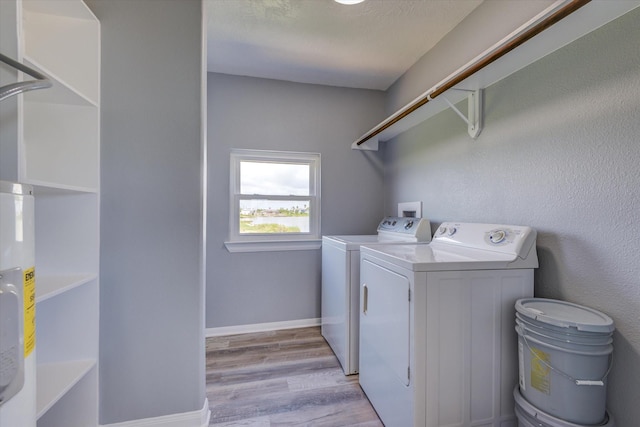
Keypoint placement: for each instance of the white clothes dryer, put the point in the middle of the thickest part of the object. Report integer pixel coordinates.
(437, 339)
(341, 279)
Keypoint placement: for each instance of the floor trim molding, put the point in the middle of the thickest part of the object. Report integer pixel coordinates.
(199, 418)
(261, 327)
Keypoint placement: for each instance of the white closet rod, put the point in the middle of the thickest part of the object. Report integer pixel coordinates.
(475, 66)
(6, 91)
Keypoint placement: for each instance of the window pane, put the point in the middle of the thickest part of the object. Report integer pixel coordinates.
(274, 216)
(277, 179)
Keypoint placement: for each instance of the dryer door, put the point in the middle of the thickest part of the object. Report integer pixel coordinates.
(384, 342)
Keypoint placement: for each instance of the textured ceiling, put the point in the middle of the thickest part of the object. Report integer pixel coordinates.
(368, 45)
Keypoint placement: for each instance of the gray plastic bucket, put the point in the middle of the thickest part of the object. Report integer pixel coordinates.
(564, 358)
(530, 416)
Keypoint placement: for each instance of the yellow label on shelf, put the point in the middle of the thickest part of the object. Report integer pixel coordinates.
(540, 371)
(29, 310)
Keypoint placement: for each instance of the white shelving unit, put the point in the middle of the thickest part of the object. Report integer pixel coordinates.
(54, 139)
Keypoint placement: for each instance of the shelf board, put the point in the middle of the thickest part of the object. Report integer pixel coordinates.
(587, 19)
(67, 8)
(74, 69)
(52, 188)
(54, 380)
(60, 93)
(50, 286)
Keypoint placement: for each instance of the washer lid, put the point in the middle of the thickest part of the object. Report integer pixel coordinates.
(443, 257)
(565, 314)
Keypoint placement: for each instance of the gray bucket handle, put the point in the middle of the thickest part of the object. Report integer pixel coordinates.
(599, 382)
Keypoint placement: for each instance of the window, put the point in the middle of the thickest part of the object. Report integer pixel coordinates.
(274, 201)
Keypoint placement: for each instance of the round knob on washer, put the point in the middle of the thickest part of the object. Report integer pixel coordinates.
(408, 225)
(442, 230)
(497, 236)
(452, 231)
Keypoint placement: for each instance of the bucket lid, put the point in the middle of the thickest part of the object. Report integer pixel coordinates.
(565, 314)
(564, 333)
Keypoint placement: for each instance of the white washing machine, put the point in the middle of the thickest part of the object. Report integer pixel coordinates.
(341, 280)
(437, 339)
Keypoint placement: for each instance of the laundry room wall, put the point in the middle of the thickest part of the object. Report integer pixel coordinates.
(245, 112)
(151, 300)
(559, 152)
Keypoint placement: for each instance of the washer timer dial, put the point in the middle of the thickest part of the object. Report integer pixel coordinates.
(497, 236)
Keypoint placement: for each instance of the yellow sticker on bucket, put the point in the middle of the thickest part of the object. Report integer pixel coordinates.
(540, 371)
(29, 284)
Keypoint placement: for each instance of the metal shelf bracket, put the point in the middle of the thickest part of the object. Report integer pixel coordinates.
(474, 116)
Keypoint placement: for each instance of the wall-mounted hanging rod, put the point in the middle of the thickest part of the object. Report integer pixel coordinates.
(6, 91)
(477, 64)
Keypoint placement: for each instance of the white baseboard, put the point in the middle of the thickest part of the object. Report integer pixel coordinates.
(261, 327)
(199, 418)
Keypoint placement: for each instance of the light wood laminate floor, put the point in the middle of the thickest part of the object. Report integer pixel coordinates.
(282, 378)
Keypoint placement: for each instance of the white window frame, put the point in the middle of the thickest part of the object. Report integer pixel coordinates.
(255, 242)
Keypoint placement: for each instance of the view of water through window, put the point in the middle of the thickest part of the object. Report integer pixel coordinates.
(263, 215)
(274, 216)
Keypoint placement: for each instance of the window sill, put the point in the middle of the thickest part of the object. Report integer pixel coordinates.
(273, 246)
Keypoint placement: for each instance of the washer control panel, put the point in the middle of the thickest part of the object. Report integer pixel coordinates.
(512, 239)
(417, 228)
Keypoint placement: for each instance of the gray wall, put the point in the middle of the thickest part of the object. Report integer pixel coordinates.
(244, 112)
(559, 152)
(152, 316)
